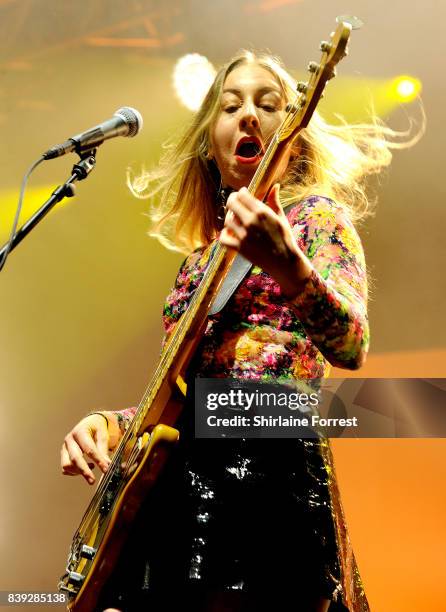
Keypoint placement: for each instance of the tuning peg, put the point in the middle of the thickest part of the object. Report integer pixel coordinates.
(325, 47)
(291, 108)
(353, 21)
(302, 87)
(332, 74)
(313, 67)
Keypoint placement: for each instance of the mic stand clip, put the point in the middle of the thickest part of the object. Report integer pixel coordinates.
(79, 172)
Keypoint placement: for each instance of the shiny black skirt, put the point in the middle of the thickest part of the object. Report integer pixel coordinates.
(231, 524)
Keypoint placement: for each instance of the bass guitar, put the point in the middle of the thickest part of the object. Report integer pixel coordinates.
(143, 449)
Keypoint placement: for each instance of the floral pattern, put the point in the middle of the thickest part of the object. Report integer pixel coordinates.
(261, 334)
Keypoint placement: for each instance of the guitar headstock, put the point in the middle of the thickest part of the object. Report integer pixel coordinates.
(300, 113)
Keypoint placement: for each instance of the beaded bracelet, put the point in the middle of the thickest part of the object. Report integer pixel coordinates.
(102, 414)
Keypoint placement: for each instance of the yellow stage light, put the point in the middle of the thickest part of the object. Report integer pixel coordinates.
(34, 198)
(405, 88)
(192, 76)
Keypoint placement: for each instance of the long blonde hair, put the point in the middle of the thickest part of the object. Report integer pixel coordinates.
(333, 161)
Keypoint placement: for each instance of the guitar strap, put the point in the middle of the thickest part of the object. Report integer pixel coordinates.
(236, 274)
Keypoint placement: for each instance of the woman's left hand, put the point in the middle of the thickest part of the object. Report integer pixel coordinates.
(262, 234)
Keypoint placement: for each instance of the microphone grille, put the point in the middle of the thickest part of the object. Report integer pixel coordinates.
(133, 119)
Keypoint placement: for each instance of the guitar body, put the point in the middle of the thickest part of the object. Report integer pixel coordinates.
(108, 533)
(135, 466)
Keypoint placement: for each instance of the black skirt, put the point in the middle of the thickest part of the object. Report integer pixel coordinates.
(245, 522)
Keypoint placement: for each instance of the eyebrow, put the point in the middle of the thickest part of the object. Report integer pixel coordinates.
(261, 92)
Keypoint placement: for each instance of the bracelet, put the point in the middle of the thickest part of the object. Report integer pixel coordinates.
(102, 415)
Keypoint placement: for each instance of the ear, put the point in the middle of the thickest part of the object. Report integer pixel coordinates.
(210, 145)
(206, 146)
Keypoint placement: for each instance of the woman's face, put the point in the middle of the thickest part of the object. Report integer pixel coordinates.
(251, 109)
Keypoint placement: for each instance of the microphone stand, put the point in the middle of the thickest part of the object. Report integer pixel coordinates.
(80, 172)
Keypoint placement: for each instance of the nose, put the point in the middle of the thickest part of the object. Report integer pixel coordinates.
(249, 118)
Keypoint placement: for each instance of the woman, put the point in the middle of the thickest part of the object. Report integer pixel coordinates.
(251, 524)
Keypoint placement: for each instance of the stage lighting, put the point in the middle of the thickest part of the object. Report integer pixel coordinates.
(193, 74)
(405, 88)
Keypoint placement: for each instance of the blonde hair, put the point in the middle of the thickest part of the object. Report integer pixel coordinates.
(333, 161)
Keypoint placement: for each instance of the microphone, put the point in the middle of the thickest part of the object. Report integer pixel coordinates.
(126, 121)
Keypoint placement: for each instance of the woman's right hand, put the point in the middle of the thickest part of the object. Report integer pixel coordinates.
(90, 437)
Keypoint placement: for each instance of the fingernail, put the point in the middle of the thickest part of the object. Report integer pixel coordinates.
(91, 480)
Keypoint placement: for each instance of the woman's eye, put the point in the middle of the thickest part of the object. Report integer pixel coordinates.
(231, 109)
(268, 108)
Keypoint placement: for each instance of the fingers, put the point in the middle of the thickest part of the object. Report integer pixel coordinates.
(102, 442)
(248, 210)
(247, 219)
(74, 460)
(236, 229)
(242, 207)
(229, 240)
(89, 437)
(273, 200)
(251, 225)
(85, 440)
(246, 207)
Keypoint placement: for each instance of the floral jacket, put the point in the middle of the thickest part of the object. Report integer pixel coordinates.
(260, 334)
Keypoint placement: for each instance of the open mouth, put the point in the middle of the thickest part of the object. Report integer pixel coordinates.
(249, 149)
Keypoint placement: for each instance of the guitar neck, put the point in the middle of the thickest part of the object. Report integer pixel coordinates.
(190, 328)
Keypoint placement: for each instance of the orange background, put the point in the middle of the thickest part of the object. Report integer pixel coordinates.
(395, 503)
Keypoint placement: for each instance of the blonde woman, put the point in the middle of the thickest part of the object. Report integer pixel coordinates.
(251, 524)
